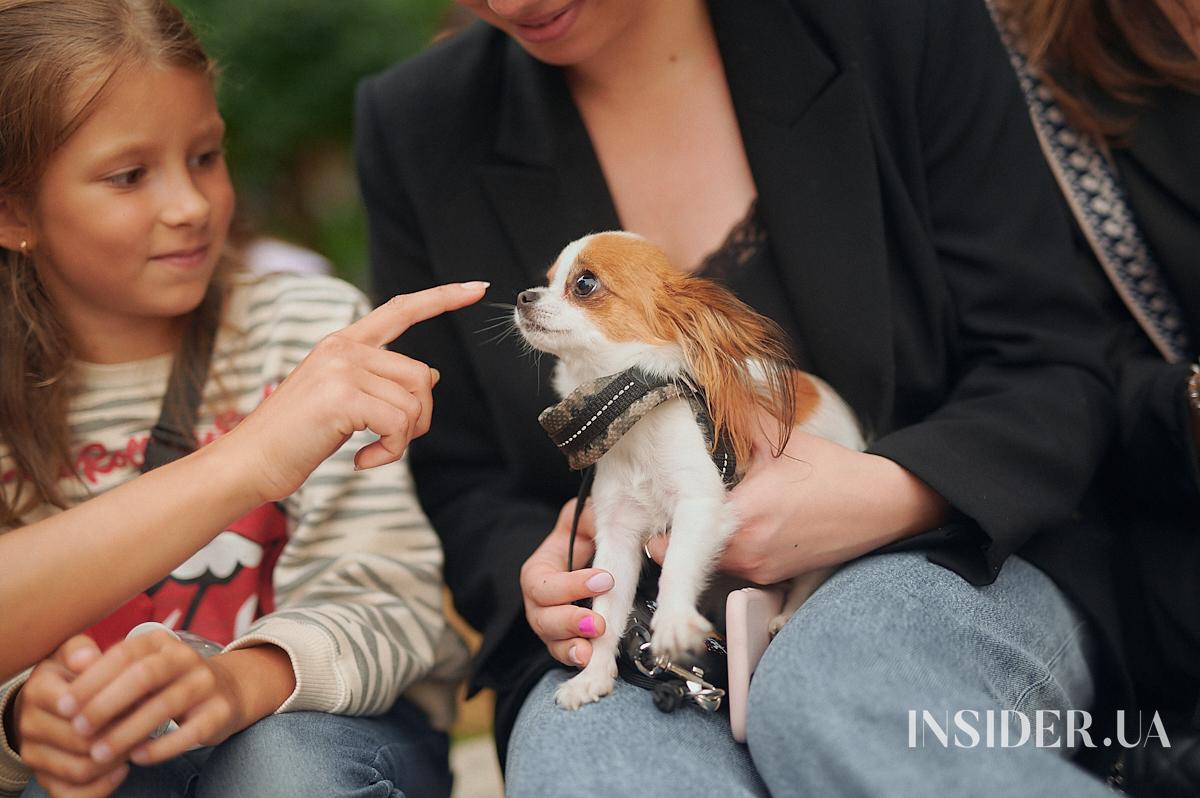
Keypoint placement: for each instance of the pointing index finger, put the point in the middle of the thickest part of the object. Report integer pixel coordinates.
(389, 321)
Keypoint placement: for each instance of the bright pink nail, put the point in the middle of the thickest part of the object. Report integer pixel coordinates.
(588, 626)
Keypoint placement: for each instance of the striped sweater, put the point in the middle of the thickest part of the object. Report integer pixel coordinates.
(357, 585)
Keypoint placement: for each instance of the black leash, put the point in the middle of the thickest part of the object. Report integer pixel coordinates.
(585, 490)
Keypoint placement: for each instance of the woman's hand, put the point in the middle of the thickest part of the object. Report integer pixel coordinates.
(348, 383)
(817, 505)
(59, 756)
(549, 590)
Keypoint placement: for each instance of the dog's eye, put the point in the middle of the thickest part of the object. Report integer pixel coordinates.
(585, 284)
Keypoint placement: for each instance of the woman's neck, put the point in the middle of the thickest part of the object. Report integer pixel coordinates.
(669, 41)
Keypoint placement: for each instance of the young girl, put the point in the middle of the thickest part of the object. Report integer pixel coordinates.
(321, 592)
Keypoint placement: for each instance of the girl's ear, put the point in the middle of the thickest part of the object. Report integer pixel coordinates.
(16, 233)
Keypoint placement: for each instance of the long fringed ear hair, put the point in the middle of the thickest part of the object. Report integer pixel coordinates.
(739, 357)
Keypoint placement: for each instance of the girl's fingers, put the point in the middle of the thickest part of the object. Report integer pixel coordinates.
(46, 727)
(391, 424)
(176, 701)
(111, 665)
(199, 727)
(576, 652)
(418, 411)
(142, 677)
(565, 623)
(78, 653)
(102, 786)
(389, 321)
(71, 769)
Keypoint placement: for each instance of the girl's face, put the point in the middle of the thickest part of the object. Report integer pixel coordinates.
(132, 212)
(559, 32)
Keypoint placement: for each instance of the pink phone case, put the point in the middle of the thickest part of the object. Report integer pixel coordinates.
(747, 613)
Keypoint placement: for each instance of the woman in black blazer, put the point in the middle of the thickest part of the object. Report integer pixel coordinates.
(912, 243)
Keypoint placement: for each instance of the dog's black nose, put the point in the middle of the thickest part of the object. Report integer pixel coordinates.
(527, 297)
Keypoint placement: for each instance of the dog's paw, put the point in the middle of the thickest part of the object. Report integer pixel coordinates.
(677, 632)
(586, 687)
(777, 623)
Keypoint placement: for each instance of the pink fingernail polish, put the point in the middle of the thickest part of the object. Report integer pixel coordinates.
(588, 626)
(600, 582)
(139, 756)
(81, 725)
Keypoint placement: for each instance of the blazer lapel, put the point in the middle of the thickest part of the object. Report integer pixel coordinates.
(545, 184)
(809, 141)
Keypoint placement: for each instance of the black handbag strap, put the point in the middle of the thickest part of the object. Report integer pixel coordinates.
(173, 435)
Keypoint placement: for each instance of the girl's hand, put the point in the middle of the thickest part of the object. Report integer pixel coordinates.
(140, 684)
(817, 505)
(348, 383)
(549, 590)
(59, 756)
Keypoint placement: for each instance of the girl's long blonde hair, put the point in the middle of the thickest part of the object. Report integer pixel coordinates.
(49, 51)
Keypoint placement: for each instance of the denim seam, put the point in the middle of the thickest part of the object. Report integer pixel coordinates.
(1045, 679)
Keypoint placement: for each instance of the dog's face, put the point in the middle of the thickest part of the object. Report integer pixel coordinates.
(603, 299)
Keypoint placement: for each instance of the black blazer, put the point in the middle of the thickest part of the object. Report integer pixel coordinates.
(921, 240)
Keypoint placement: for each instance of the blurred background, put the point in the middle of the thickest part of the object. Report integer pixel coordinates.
(288, 72)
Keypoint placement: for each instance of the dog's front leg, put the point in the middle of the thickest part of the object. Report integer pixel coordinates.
(618, 551)
(700, 526)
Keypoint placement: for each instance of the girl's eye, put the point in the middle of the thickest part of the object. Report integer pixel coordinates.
(128, 178)
(585, 284)
(208, 158)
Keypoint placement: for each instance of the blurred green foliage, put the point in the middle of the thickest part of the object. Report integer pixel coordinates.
(288, 72)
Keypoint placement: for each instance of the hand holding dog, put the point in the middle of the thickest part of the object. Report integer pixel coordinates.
(818, 504)
(549, 590)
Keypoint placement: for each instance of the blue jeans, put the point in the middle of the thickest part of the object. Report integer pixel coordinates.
(830, 704)
(299, 754)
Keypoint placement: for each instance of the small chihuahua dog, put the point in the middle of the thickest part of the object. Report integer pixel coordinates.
(615, 304)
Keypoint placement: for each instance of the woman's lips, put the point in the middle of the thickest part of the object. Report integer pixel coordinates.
(548, 27)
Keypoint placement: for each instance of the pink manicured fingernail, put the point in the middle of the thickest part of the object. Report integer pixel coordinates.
(139, 756)
(600, 582)
(588, 626)
(118, 775)
(101, 752)
(573, 655)
(81, 725)
(67, 705)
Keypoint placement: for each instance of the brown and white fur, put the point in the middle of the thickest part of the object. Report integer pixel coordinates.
(614, 301)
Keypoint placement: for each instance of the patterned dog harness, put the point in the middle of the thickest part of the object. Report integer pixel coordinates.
(595, 415)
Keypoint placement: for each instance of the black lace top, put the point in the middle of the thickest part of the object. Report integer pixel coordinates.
(746, 264)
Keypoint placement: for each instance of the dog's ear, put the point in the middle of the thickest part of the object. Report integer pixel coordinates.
(739, 357)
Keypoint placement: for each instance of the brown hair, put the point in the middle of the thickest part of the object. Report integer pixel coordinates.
(1117, 49)
(50, 50)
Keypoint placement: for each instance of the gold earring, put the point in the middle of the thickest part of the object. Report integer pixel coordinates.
(24, 247)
